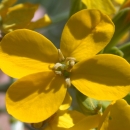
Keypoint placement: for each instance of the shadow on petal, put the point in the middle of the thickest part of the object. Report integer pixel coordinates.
(35, 97)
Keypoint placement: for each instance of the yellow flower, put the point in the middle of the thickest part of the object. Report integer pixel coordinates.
(45, 72)
(19, 16)
(73, 120)
(105, 6)
(126, 4)
(116, 117)
(119, 1)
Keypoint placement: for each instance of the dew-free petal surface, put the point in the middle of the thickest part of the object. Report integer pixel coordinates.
(119, 1)
(35, 97)
(66, 103)
(16, 16)
(105, 6)
(126, 4)
(4, 5)
(116, 117)
(23, 52)
(85, 34)
(74, 120)
(87, 123)
(42, 22)
(65, 120)
(103, 77)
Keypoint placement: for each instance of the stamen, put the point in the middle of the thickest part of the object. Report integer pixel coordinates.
(70, 58)
(72, 63)
(61, 57)
(57, 65)
(58, 72)
(68, 83)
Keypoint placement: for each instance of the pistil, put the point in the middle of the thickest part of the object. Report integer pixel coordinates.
(64, 66)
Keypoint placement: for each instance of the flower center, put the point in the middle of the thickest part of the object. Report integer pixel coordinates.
(64, 66)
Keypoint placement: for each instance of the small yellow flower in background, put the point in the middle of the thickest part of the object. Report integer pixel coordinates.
(45, 72)
(73, 120)
(19, 16)
(116, 116)
(119, 1)
(105, 6)
(126, 4)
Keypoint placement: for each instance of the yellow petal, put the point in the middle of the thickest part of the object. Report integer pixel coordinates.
(87, 123)
(85, 34)
(116, 117)
(23, 52)
(35, 97)
(105, 6)
(73, 120)
(66, 120)
(19, 16)
(126, 4)
(119, 1)
(66, 103)
(4, 5)
(40, 23)
(103, 77)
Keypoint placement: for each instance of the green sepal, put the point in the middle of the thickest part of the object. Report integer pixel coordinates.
(122, 25)
(90, 106)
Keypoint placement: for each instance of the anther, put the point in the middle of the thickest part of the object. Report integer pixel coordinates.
(61, 57)
(68, 83)
(58, 72)
(57, 65)
(70, 58)
(72, 63)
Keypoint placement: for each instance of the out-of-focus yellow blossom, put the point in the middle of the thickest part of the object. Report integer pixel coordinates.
(73, 120)
(45, 72)
(105, 6)
(116, 116)
(19, 16)
(120, 2)
(126, 4)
